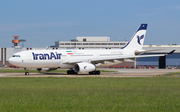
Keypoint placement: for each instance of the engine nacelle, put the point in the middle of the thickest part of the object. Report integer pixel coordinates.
(46, 69)
(84, 67)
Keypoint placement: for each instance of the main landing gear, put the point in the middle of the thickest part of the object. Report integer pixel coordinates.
(90, 73)
(26, 73)
(95, 72)
(71, 72)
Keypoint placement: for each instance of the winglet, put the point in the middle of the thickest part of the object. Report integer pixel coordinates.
(170, 52)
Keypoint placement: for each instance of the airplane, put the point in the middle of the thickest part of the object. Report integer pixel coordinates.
(82, 60)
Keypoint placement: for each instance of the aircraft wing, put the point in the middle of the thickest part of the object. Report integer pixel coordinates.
(98, 60)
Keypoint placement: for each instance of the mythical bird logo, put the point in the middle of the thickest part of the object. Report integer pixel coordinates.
(85, 67)
(140, 38)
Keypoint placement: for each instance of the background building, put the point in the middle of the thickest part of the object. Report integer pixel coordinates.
(90, 42)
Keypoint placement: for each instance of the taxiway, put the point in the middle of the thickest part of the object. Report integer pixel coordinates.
(118, 73)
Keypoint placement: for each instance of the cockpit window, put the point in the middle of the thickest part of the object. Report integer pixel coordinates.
(16, 56)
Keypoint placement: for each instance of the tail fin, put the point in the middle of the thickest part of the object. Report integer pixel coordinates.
(137, 40)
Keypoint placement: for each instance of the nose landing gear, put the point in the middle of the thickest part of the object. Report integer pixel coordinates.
(26, 73)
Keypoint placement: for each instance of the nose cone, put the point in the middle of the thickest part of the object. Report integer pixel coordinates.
(15, 61)
(11, 61)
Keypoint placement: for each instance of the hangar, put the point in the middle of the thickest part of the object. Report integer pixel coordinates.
(105, 43)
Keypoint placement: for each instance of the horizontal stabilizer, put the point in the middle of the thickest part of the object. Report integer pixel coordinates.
(171, 52)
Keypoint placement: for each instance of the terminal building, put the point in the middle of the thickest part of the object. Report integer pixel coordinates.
(82, 43)
(90, 42)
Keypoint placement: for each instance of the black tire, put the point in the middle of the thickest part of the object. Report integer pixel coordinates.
(94, 72)
(72, 72)
(98, 72)
(26, 73)
(68, 72)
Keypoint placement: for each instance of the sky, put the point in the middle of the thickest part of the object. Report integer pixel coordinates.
(42, 22)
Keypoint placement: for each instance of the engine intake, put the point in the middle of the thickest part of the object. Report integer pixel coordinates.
(84, 67)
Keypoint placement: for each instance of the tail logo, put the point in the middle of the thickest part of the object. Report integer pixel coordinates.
(139, 39)
(85, 67)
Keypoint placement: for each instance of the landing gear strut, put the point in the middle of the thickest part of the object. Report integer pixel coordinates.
(95, 72)
(26, 73)
(71, 72)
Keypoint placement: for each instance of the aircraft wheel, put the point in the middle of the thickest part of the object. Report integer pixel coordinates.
(72, 72)
(26, 73)
(98, 72)
(68, 72)
(94, 72)
(90, 73)
(75, 72)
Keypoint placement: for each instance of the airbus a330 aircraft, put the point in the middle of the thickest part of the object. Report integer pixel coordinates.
(81, 60)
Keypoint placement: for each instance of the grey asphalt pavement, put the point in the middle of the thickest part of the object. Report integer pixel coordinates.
(118, 73)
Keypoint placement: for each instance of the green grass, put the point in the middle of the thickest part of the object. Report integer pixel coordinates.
(172, 74)
(35, 71)
(60, 94)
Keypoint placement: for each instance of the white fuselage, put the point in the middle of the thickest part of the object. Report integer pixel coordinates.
(59, 58)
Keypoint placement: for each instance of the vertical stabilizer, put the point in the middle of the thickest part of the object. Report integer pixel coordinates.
(137, 40)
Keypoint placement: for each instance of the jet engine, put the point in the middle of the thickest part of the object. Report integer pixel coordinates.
(46, 69)
(84, 67)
